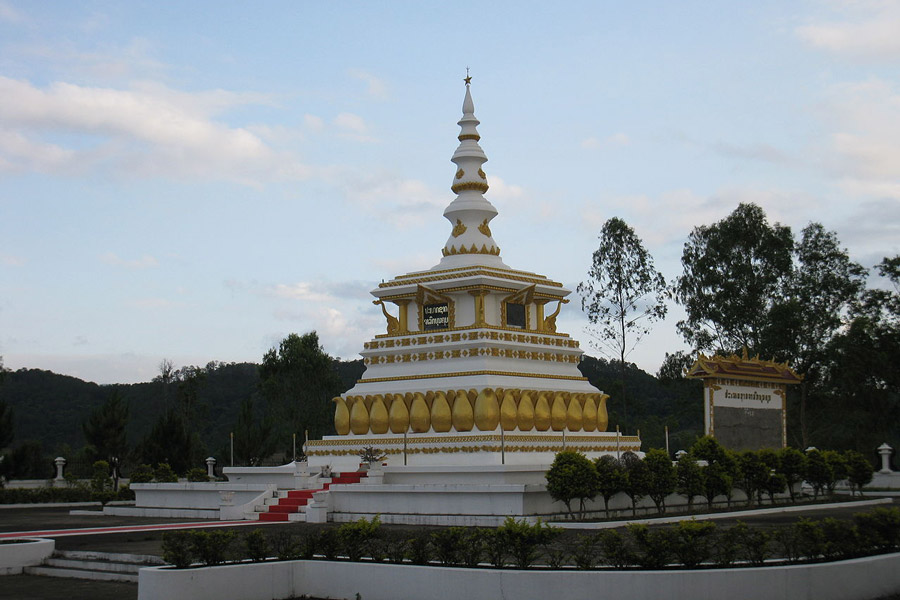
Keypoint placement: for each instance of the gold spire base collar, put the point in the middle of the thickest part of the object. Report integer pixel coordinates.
(478, 186)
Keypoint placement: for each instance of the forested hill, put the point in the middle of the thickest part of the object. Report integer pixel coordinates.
(50, 408)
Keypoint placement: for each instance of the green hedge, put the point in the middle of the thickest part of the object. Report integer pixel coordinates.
(44, 495)
(517, 544)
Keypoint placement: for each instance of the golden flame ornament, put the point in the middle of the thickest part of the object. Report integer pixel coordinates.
(463, 415)
(487, 410)
(359, 417)
(525, 412)
(589, 413)
(508, 412)
(419, 415)
(574, 414)
(399, 415)
(542, 413)
(341, 416)
(378, 415)
(441, 419)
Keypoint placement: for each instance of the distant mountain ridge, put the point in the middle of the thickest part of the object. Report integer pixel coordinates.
(50, 407)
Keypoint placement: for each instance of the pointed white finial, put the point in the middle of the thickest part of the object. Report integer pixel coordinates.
(470, 241)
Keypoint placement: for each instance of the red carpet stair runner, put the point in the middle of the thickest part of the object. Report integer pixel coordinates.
(294, 501)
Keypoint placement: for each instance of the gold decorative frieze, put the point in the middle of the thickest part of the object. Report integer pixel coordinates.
(492, 351)
(473, 249)
(460, 410)
(462, 272)
(468, 136)
(478, 186)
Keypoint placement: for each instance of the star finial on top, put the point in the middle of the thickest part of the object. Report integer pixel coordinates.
(468, 78)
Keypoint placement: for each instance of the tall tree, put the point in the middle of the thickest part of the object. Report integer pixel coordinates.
(298, 380)
(170, 442)
(623, 295)
(862, 371)
(165, 377)
(735, 271)
(253, 440)
(7, 432)
(814, 308)
(104, 432)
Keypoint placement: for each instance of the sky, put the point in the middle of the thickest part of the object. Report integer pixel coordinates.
(193, 181)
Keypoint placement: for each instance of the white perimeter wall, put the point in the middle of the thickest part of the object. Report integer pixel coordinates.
(858, 579)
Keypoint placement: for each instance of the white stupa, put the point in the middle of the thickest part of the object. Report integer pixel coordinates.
(471, 369)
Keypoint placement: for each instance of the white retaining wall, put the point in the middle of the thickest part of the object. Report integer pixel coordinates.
(32, 551)
(858, 579)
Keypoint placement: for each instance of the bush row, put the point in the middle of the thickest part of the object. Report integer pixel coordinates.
(707, 471)
(517, 544)
(60, 494)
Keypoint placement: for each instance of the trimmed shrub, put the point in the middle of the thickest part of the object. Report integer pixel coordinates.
(256, 546)
(585, 554)
(165, 474)
(754, 544)
(879, 529)
(197, 475)
(495, 547)
(523, 539)
(328, 543)
(616, 549)
(572, 477)
(355, 537)
(842, 539)
(142, 474)
(177, 548)
(285, 545)
(396, 546)
(693, 542)
(420, 549)
(447, 544)
(653, 546)
(212, 547)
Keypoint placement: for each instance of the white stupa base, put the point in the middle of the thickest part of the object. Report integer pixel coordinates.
(469, 449)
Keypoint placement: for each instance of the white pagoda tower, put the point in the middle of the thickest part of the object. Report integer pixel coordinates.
(471, 369)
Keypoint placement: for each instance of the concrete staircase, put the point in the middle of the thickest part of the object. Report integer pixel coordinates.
(290, 505)
(94, 565)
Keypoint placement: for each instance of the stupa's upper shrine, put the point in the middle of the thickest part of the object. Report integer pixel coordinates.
(471, 345)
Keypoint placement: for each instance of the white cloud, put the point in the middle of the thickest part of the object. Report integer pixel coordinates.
(867, 30)
(865, 139)
(375, 87)
(401, 202)
(153, 303)
(9, 260)
(144, 262)
(19, 153)
(10, 14)
(148, 130)
(501, 190)
(616, 139)
(313, 122)
(304, 291)
(353, 126)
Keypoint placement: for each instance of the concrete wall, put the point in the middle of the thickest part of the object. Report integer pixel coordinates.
(195, 495)
(14, 557)
(858, 579)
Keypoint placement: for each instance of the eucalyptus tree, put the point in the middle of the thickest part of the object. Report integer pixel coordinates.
(623, 295)
(104, 433)
(298, 380)
(749, 284)
(735, 272)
